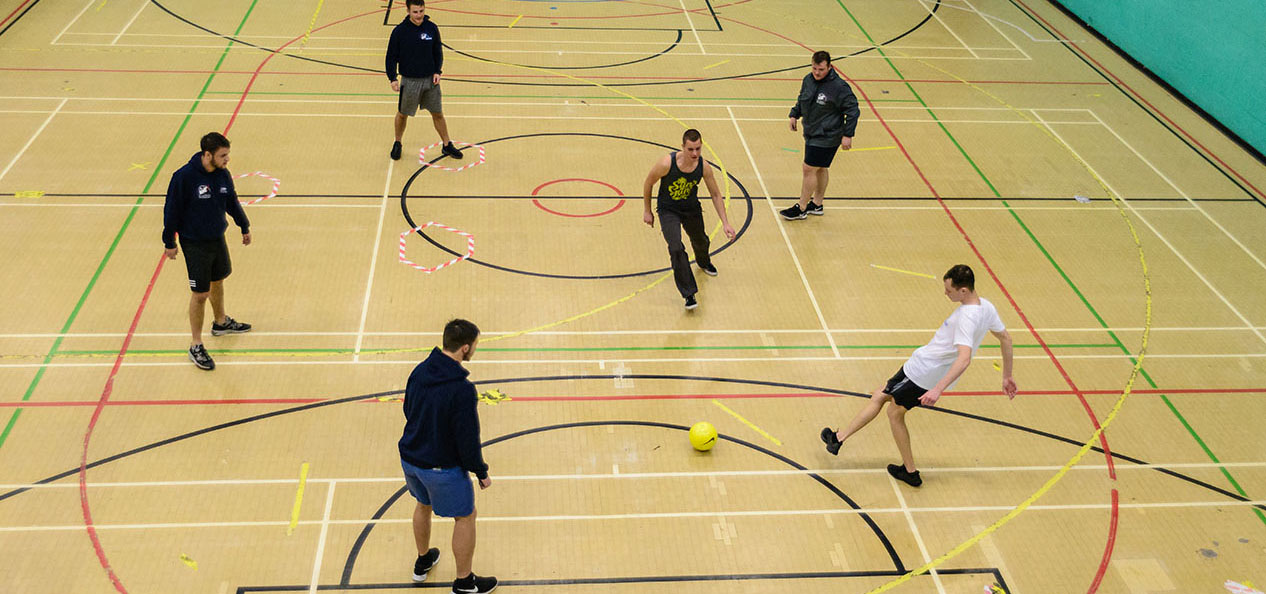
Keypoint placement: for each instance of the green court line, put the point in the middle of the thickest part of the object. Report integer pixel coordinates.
(74, 313)
(338, 351)
(1165, 398)
(332, 94)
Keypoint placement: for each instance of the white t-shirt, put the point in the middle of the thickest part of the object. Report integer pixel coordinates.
(966, 326)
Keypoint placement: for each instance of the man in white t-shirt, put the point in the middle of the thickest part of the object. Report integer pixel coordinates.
(932, 369)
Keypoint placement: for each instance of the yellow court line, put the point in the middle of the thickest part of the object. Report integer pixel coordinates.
(516, 19)
(903, 271)
(311, 24)
(294, 512)
(871, 148)
(746, 422)
(715, 65)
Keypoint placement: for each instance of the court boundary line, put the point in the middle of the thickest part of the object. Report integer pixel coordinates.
(373, 261)
(31, 140)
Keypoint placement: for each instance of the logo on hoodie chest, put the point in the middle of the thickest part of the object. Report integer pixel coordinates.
(822, 99)
(204, 192)
(425, 37)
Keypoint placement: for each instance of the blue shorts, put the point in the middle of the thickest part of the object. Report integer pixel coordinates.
(447, 490)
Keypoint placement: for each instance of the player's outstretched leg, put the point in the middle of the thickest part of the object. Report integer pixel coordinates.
(834, 440)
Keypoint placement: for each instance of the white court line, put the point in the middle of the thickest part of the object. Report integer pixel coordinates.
(995, 28)
(771, 513)
(914, 529)
(636, 332)
(1180, 192)
(988, 16)
(585, 362)
(325, 529)
(112, 205)
(144, 3)
(787, 240)
(72, 22)
(881, 208)
(30, 140)
(1093, 468)
(1155, 231)
(373, 260)
(974, 55)
(1081, 208)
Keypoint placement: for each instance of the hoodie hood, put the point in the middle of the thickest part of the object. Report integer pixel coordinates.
(439, 368)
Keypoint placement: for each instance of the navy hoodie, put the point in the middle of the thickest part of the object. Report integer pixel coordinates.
(441, 423)
(829, 109)
(415, 49)
(197, 202)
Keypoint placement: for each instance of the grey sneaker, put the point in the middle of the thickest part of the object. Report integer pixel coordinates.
(814, 209)
(425, 564)
(198, 354)
(230, 326)
(793, 214)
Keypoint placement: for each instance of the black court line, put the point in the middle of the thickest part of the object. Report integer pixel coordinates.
(404, 208)
(938, 410)
(713, 12)
(604, 197)
(19, 17)
(898, 565)
(672, 46)
(666, 579)
(1136, 102)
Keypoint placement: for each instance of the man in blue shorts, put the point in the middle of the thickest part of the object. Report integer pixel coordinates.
(932, 369)
(440, 446)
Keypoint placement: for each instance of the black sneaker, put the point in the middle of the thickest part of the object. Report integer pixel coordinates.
(230, 326)
(425, 564)
(709, 270)
(898, 471)
(793, 214)
(451, 151)
(832, 442)
(691, 303)
(472, 584)
(814, 209)
(198, 354)
(395, 151)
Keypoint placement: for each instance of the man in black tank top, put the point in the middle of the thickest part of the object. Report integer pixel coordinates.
(679, 174)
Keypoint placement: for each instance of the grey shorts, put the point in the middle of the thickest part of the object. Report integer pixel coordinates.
(419, 92)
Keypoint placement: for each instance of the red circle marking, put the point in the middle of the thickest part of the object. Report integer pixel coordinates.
(538, 204)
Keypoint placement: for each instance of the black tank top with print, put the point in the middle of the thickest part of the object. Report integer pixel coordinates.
(679, 191)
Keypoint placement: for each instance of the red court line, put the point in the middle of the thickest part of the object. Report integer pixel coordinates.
(1064, 39)
(498, 76)
(15, 11)
(92, 424)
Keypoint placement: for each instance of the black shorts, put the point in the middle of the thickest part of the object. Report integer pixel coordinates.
(819, 156)
(903, 390)
(207, 261)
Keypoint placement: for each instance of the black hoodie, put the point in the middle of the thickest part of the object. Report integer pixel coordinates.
(441, 423)
(415, 49)
(197, 202)
(829, 109)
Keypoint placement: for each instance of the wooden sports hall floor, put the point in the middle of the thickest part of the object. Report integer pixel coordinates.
(124, 468)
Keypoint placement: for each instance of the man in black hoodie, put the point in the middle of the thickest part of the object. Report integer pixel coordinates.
(198, 197)
(438, 449)
(415, 49)
(830, 114)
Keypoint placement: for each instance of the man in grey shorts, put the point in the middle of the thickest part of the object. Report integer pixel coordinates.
(415, 50)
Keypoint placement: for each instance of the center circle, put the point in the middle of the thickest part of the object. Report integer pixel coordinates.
(404, 207)
(536, 191)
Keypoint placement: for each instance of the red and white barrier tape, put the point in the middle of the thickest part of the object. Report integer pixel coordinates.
(480, 161)
(276, 186)
(470, 247)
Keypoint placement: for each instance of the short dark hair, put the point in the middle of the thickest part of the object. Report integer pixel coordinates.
(459, 333)
(961, 276)
(214, 141)
(691, 135)
(408, 3)
(821, 56)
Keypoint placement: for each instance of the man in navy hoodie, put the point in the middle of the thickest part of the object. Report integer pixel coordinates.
(439, 448)
(415, 50)
(198, 197)
(830, 113)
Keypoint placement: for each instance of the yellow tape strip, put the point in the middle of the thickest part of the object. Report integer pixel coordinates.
(715, 65)
(871, 148)
(294, 512)
(311, 24)
(512, 23)
(903, 271)
(747, 422)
